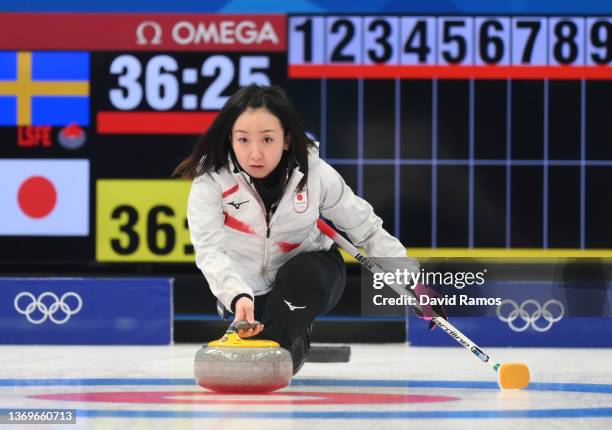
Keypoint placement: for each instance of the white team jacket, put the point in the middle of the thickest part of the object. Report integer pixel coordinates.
(239, 251)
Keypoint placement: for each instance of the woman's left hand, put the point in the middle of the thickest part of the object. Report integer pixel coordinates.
(245, 311)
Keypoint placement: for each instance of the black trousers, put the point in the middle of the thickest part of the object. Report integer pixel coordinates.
(308, 285)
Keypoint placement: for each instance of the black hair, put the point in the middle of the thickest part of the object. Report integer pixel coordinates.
(212, 150)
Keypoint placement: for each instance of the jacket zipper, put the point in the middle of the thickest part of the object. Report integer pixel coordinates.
(266, 219)
(289, 190)
(290, 187)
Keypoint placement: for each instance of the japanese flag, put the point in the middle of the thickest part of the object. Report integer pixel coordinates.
(44, 197)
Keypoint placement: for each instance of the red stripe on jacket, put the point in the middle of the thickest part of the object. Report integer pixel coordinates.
(236, 224)
(230, 191)
(287, 247)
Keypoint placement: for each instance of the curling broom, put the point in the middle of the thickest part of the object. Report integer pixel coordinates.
(509, 375)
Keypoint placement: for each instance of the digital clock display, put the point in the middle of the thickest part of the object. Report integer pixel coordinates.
(189, 86)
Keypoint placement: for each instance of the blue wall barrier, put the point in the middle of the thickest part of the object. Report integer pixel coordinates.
(531, 313)
(81, 311)
(571, 332)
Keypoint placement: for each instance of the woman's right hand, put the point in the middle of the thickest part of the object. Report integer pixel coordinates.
(245, 310)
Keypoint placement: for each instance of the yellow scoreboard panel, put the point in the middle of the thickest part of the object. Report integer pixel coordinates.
(142, 220)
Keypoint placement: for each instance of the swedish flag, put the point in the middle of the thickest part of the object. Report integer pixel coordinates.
(44, 88)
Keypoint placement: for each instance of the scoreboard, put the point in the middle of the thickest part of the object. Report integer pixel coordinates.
(126, 96)
(464, 132)
(427, 46)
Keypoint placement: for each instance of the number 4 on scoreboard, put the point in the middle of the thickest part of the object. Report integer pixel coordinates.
(419, 37)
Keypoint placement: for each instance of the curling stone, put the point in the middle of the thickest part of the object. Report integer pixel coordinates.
(235, 365)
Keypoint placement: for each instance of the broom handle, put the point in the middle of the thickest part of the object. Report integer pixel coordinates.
(374, 267)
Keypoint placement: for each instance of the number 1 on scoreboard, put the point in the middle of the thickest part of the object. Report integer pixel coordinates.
(306, 38)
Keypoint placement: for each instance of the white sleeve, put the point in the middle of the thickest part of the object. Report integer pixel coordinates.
(206, 219)
(355, 216)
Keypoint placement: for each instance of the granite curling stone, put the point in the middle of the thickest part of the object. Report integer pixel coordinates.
(235, 365)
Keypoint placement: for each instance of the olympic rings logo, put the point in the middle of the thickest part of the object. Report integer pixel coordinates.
(47, 311)
(528, 319)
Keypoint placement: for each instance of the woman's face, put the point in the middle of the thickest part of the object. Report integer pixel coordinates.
(258, 140)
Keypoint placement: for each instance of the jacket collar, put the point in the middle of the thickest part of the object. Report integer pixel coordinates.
(236, 171)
